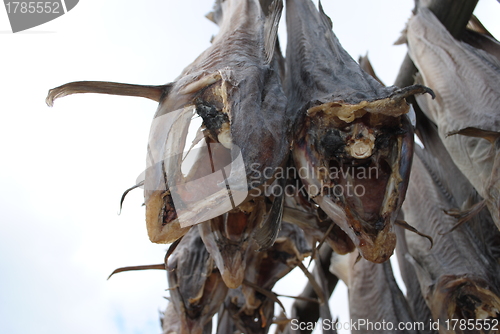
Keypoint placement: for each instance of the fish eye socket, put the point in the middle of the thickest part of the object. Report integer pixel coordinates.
(332, 143)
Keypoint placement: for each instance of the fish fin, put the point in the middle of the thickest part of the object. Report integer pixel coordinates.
(410, 228)
(271, 28)
(403, 38)
(216, 14)
(423, 276)
(171, 250)
(269, 294)
(325, 18)
(470, 131)
(155, 93)
(366, 66)
(465, 215)
(140, 184)
(475, 25)
(210, 17)
(146, 267)
(268, 232)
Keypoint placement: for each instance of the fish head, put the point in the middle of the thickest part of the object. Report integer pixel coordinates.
(254, 320)
(229, 240)
(464, 297)
(196, 287)
(355, 162)
(234, 88)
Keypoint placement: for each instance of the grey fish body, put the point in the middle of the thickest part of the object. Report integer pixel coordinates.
(171, 323)
(456, 278)
(346, 119)
(465, 80)
(251, 310)
(416, 301)
(196, 287)
(372, 284)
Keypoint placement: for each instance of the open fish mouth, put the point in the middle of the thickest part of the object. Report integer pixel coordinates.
(355, 165)
(464, 297)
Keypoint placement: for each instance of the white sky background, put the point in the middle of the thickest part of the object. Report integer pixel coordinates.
(64, 169)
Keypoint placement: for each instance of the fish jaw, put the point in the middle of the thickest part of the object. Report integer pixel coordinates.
(368, 217)
(464, 297)
(161, 220)
(229, 240)
(301, 212)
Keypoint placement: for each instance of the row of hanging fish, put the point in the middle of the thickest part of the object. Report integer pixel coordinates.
(350, 145)
(453, 194)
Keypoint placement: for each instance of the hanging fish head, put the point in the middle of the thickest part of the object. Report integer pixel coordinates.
(234, 87)
(353, 142)
(359, 162)
(464, 297)
(229, 240)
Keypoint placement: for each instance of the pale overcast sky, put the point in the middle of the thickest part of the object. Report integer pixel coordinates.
(64, 168)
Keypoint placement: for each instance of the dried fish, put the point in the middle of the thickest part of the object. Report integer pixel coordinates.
(307, 308)
(372, 284)
(251, 306)
(353, 143)
(196, 286)
(416, 301)
(465, 111)
(170, 322)
(234, 86)
(228, 239)
(457, 278)
(317, 226)
(480, 38)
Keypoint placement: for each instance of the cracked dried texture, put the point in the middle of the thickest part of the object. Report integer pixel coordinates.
(346, 120)
(458, 279)
(465, 80)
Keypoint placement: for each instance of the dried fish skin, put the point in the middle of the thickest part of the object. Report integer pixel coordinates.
(372, 284)
(171, 323)
(228, 239)
(268, 267)
(243, 107)
(251, 95)
(346, 120)
(303, 212)
(251, 321)
(196, 287)
(482, 41)
(457, 279)
(251, 306)
(465, 109)
(235, 87)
